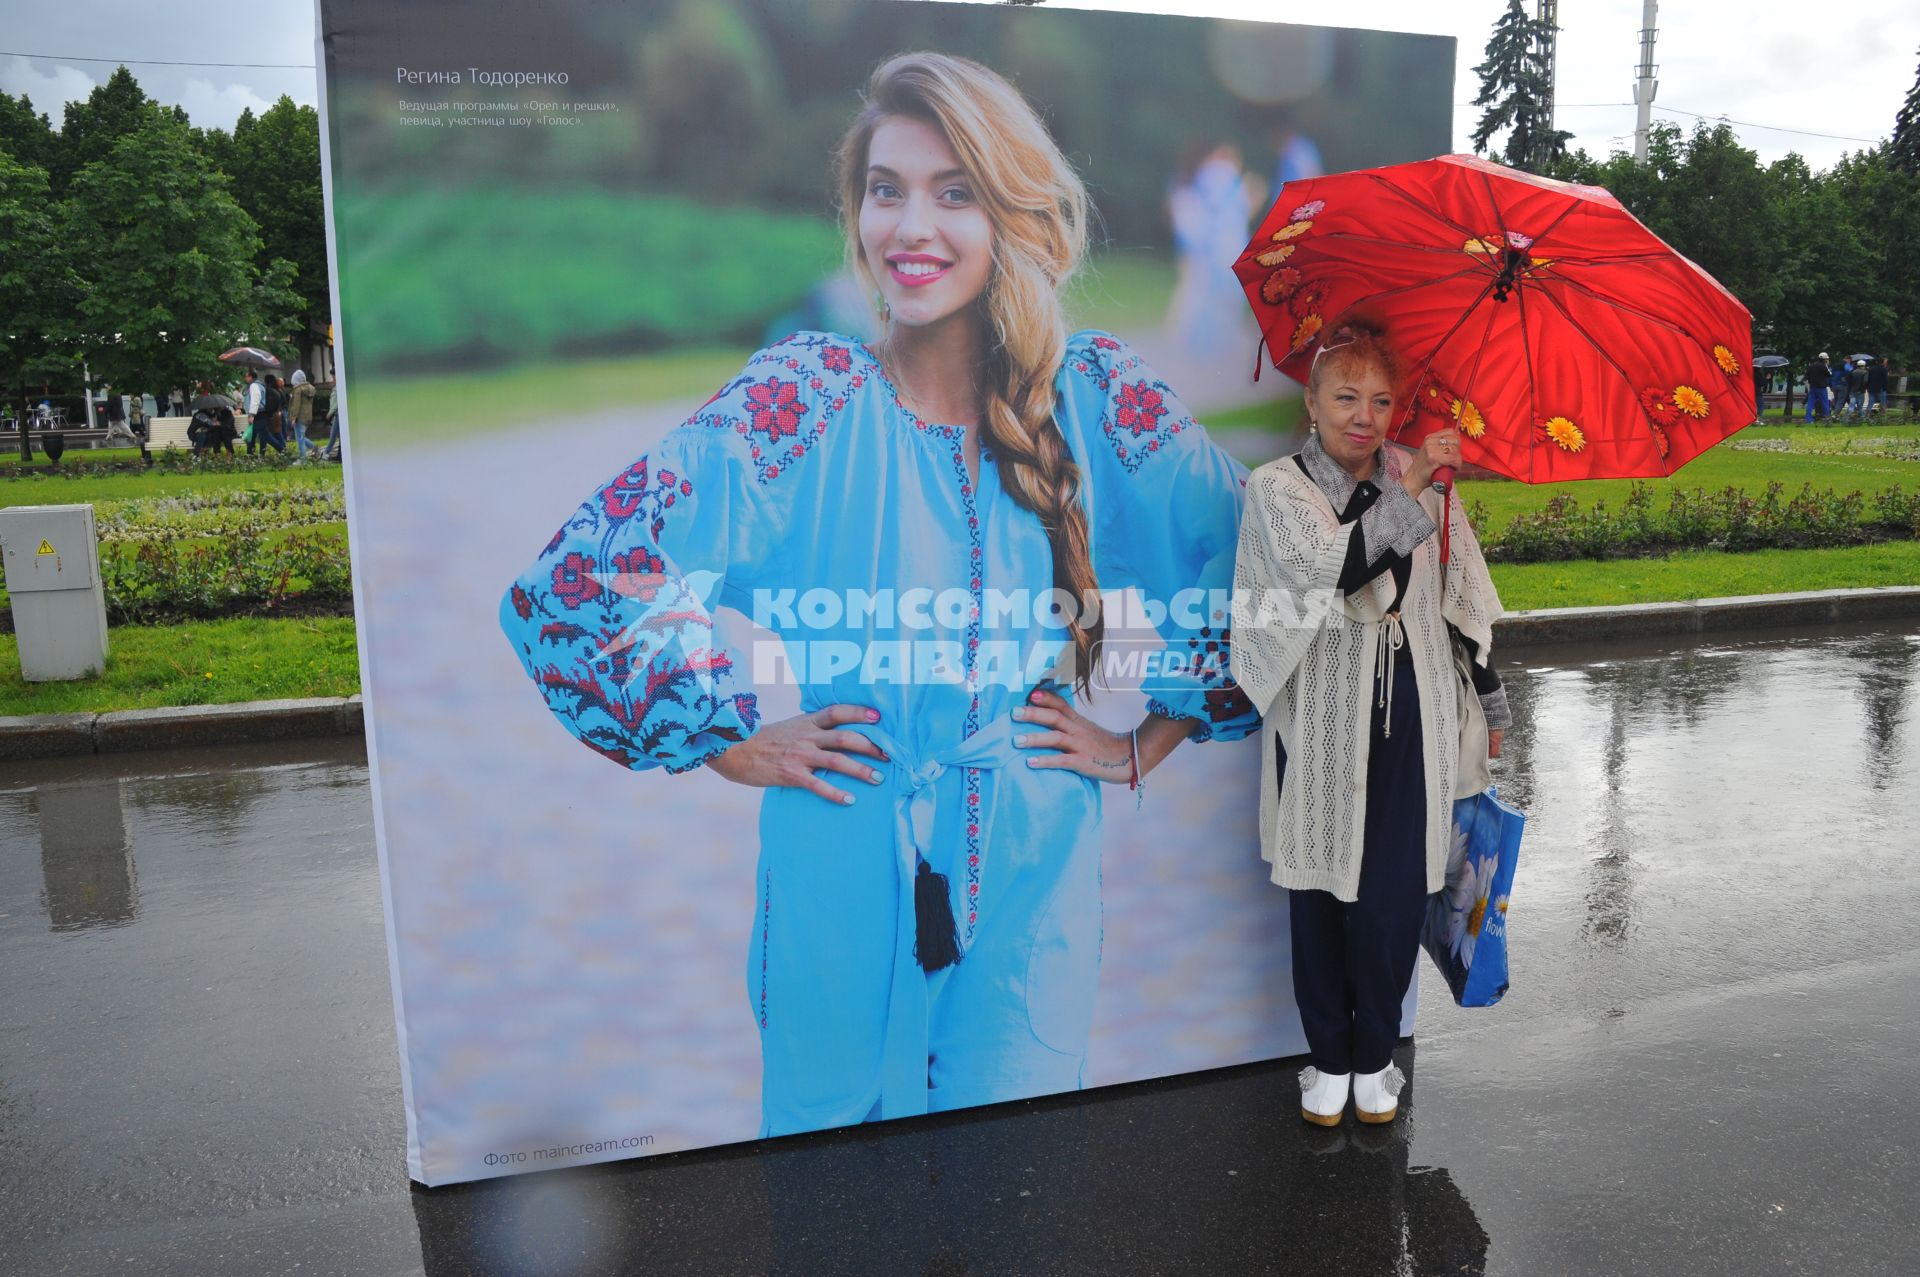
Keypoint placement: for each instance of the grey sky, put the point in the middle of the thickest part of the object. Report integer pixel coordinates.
(1748, 61)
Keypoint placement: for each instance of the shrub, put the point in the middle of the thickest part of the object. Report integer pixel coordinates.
(1730, 519)
(456, 279)
(172, 576)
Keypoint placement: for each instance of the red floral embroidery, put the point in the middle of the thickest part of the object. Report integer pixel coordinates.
(776, 408)
(1139, 408)
(622, 497)
(836, 358)
(522, 603)
(573, 582)
(1229, 702)
(641, 573)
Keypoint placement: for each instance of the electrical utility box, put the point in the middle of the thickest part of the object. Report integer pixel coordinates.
(53, 580)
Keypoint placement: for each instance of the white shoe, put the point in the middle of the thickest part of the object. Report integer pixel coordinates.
(1376, 1096)
(1323, 1096)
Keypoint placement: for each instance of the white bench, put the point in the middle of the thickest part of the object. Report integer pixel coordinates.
(168, 432)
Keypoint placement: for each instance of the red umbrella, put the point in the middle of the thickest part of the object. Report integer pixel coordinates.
(1560, 335)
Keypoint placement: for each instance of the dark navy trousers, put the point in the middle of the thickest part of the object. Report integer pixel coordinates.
(1352, 963)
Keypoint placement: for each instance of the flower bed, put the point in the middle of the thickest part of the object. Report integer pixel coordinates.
(217, 552)
(247, 571)
(1730, 519)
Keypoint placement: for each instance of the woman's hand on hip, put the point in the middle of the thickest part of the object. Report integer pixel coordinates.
(787, 753)
(1084, 745)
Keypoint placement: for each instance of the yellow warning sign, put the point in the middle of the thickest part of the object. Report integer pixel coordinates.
(46, 547)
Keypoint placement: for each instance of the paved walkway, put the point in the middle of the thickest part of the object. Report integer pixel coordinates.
(1705, 1064)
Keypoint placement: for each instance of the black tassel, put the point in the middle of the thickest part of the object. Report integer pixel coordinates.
(1256, 356)
(936, 939)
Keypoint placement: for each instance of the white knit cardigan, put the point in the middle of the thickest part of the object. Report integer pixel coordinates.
(1310, 659)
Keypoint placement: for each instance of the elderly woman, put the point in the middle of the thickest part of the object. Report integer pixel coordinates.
(1344, 626)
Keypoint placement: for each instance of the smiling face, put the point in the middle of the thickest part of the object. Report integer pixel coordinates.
(1352, 409)
(926, 240)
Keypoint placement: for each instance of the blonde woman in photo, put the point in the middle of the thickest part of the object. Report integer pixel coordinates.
(926, 932)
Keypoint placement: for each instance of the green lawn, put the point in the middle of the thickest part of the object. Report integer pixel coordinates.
(206, 663)
(1703, 574)
(1280, 416)
(1123, 291)
(1819, 457)
(40, 488)
(447, 407)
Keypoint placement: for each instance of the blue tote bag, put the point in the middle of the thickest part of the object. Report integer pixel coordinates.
(1466, 928)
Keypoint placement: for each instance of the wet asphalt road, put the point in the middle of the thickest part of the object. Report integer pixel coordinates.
(1706, 1064)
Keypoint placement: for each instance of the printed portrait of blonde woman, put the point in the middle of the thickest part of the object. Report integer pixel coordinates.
(927, 928)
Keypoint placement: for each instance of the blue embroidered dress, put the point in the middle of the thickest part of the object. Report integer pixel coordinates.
(807, 496)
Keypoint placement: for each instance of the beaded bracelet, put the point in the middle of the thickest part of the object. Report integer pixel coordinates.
(1135, 781)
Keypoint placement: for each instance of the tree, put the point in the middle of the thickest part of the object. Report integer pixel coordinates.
(275, 165)
(1515, 89)
(1904, 152)
(168, 258)
(37, 289)
(93, 127)
(29, 137)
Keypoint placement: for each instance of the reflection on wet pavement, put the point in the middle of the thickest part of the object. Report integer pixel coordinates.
(1705, 1062)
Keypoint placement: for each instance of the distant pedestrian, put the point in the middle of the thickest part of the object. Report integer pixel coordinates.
(333, 421)
(212, 428)
(300, 412)
(1857, 390)
(252, 394)
(1762, 382)
(273, 409)
(137, 416)
(261, 404)
(1209, 207)
(1819, 382)
(1877, 385)
(178, 399)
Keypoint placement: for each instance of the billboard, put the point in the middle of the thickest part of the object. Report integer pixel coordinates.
(795, 454)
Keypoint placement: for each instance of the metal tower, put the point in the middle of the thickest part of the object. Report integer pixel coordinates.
(1547, 12)
(1645, 86)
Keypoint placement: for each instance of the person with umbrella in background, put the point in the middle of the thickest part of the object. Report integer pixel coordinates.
(212, 428)
(253, 394)
(1877, 385)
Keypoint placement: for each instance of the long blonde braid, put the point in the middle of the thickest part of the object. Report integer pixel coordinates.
(1039, 211)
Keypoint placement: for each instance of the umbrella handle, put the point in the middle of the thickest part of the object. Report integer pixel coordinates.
(1444, 477)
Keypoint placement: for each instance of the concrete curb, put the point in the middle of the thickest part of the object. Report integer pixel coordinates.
(183, 727)
(1705, 616)
(58, 735)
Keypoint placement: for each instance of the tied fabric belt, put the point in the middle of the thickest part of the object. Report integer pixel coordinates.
(903, 1067)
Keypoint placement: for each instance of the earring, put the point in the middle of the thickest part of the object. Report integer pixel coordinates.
(880, 304)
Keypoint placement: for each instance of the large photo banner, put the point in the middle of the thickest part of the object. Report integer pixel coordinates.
(795, 455)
